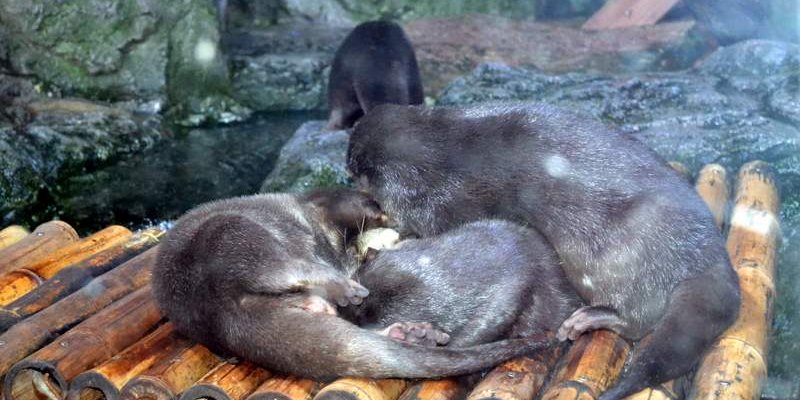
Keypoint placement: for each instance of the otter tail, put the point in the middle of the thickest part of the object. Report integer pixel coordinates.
(700, 309)
(324, 347)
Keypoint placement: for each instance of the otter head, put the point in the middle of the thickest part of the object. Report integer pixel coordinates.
(350, 211)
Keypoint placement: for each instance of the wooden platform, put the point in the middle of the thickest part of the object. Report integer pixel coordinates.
(77, 320)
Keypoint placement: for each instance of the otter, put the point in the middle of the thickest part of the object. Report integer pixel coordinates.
(374, 65)
(481, 282)
(259, 277)
(636, 241)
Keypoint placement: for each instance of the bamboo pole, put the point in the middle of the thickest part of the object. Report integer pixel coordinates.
(106, 380)
(441, 389)
(712, 186)
(27, 336)
(17, 283)
(74, 277)
(227, 382)
(736, 366)
(171, 375)
(46, 372)
(45, 239)
(11, 235)
(518, 379)
(286, 388)
(363, 389)
(590, 367)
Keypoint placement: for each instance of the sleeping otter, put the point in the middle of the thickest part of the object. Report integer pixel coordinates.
(259, 277)
(483, 281)
(637, 242)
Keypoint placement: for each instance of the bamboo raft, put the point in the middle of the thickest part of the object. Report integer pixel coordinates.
(78, 322)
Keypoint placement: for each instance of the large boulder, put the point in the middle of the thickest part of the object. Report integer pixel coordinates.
(62, 138)
(111, 50)
(314, 157)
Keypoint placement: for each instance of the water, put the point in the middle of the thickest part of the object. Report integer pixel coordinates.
(178, 173)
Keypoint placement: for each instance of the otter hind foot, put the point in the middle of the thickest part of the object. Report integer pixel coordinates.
(421, 333)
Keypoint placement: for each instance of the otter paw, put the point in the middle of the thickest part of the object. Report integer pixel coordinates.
(589, 318)
(421, 333)
(346, 292)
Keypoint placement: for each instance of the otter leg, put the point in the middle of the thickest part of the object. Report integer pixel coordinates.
(319, 280)
(421, 333)
(699, 310)
(590, 318)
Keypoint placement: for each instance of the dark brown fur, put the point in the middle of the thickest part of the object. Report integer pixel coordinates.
(374, 65)
(258, 277)
(637, 242)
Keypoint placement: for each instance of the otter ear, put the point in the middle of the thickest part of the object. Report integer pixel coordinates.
(371, 254)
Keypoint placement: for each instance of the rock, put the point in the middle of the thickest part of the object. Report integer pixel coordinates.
(198, 84)
(731, 21)
(313, 157)
(274, 82)
(447, 48)
(64, 138)
(284, 68)
(557, 9)
(111, 50)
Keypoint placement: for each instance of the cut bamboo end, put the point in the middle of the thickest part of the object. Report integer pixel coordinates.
(106, 381)
(171, 374)
(443, 389)
(363, 389)
(73, 278)
(44, 240)
(712, 186)
(25, 337)
(736, 365)
(17, 283)
(664, 391)
(81, 250)
(590, 366)
(681, 169)
(286, 388)
(84, 346)
(11, 235)
(518, 379)
(227, 382)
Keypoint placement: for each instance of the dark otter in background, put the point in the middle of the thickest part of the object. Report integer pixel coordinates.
(374, 65)
(255, 277)
(637, 242)
(484, 281)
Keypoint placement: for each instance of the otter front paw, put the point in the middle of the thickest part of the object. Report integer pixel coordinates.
(421, 333)
(345, 292)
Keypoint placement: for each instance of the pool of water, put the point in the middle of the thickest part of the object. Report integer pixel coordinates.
(178, 173)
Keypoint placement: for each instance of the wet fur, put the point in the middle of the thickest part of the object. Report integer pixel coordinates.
(254, 276)
(634, 237)
(484, 281)
(374, 65)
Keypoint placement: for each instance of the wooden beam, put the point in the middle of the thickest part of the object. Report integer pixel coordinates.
(627, 13)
